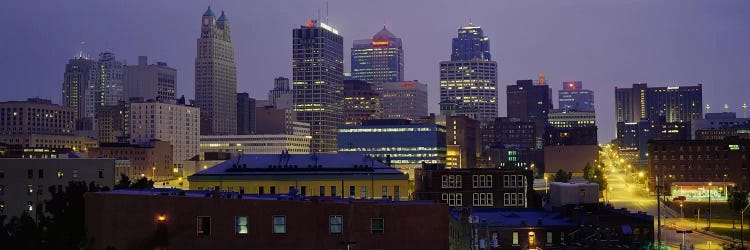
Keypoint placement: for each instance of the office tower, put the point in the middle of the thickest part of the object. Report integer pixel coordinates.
(35, 116)
(245, 114)
(378, 60)
(155, 81)
(675, 104)
(462, 141)
(281, 95)
(167, 121)
(404, 100)
(471, 44)
(114, 123)
(318, 75)
(530, 103)
(574, 98)
(216, 76)
(75, 81)
(361, 102)
(470, 77)
(105, 84)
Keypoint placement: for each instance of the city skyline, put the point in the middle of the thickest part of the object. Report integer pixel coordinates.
(638, 42)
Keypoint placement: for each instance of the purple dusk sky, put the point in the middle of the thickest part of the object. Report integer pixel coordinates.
(602, 43)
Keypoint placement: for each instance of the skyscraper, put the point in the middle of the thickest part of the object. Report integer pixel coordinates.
(378, 60)
(75, 81)
(216, 76)
(105, 86)
(574, 98)
(675, 104)
(530, 103)
(404, 100)
(155, 81)
(281, 95)
(470, 78)
(318, 75)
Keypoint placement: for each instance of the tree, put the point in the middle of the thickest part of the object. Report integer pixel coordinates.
(737, 200)
(562, 176)
(123, 183)
(65, 225)
(142, 183)
(595, 175)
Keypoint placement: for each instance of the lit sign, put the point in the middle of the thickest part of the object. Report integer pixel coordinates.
(734, 147)
(379, 43)
(329, 28)
(673, 87)
(408, 85)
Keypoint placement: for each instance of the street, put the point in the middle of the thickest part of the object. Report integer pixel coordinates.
(625, 192)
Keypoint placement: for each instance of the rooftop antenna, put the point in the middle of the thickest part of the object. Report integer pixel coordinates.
(744, 110)
(326, 11)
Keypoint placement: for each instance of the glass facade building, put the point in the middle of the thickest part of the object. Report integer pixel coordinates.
(404, 143)
(469, 79)
(378, 60)
(318, 82)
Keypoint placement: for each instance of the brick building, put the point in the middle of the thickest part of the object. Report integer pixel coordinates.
(152, 160)
(475, 187)
(699, 168)
(171, 219)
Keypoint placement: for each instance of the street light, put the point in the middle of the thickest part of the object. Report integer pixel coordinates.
(683, 232)
(710, 184)
(742, 223)
(153, 173)
(681, 214)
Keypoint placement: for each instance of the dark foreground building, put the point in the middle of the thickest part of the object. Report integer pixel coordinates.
(172, 219)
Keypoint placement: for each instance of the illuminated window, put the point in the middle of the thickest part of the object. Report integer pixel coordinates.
(336, 224)
(279, 224)
(240, 223)
(515, 238)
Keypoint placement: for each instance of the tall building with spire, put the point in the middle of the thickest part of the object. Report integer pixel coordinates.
(318, 82)
(469, 79)
(378, 60)
(216, 76)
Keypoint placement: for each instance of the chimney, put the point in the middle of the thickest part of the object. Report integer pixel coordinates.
(142, 60)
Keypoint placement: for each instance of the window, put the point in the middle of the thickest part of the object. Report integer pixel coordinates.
(396, 192)
(272, 189)
(101, 173)
(506, 181)
(304, 190)
(240, 223)
(515, 238)
(30, 173)
(2, 174)
(445, 181)
(41, 174)
(384, 192)
(2, 190)
(322, 191)
(2, 206)
(455, 199)
(336, 224)
(333, 191)
(290, 189)
(203, 225)
(29, 206)
(351, 191)
(549, 238)
(29, 189)
(279, 224)
(75, 173)
(59, 174)
(377, 225)
(482, 199)
(451, 181)
(474, 181)
(363, 191)
(521, 199)
(39, 189)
